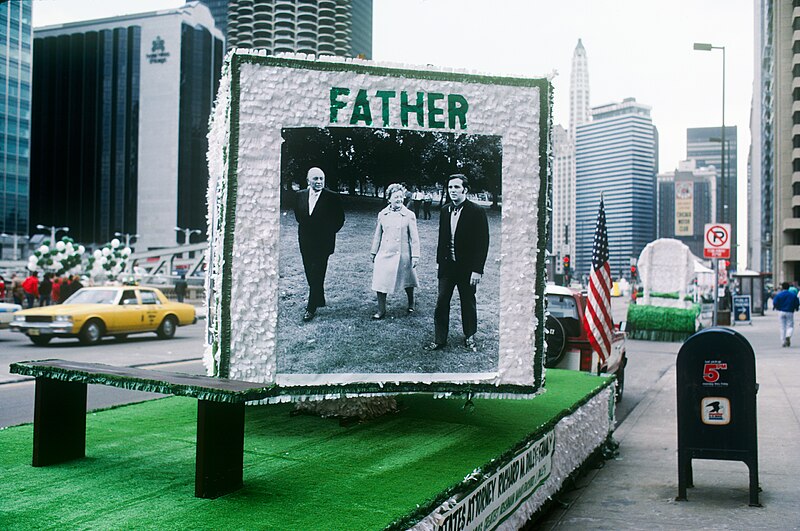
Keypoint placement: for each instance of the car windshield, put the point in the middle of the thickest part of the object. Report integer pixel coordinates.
(93, 296)
(562, 306)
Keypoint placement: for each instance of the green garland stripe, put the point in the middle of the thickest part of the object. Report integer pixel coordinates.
(429, 75)
(229, 225)
(142, 384)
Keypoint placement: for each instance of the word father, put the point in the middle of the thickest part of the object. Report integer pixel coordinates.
(430, 105)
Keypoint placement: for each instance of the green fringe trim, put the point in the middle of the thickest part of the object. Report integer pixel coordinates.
(473, 480)
(357, 68)
(143, 384)
(229, 225)
(660, 335)
(544, 206)
(649, 317)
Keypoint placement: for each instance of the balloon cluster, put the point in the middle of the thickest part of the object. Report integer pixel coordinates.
(108, 262)
(63, 258)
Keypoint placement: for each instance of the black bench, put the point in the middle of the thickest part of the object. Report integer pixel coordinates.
(59, 418)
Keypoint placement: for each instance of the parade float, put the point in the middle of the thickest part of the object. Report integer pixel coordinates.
(665, 312)
(463, 438)
(277, 116)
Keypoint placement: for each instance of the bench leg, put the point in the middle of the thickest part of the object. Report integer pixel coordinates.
(220, 448)
(59, 421)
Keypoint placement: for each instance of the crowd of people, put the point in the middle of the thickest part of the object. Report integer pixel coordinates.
(30, 291)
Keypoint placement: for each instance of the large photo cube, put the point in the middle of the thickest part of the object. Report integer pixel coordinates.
(377, 230)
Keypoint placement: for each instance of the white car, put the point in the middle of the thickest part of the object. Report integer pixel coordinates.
(7, 312)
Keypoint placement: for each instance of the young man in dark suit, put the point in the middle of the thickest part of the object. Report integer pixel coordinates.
(319, 215)
(461, 254)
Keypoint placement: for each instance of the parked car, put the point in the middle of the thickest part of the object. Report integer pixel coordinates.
(7, 313)
(91, 313)
(568, 346)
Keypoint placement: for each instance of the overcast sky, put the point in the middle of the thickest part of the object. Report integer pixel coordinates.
(635, 48)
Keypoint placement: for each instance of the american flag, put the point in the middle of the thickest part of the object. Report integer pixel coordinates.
(597, 319)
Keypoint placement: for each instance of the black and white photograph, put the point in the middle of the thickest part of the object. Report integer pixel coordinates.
(389, 252)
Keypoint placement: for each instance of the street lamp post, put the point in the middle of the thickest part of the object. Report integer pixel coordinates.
(187, 233)
(128, 237)
(53, 231)
(705, 47)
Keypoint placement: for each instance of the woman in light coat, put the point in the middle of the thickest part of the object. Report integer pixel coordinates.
(395, 250)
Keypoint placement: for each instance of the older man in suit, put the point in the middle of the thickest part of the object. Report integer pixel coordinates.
(461, 254)
(319, 215)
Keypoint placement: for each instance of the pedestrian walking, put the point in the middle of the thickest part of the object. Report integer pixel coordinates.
(46, 290)
(31, 288)
(180, 287)
(17, 292)
(786, 303)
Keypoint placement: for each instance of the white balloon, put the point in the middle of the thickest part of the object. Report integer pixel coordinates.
(33, 260)
(57, 266)
(102, 260)
(126, 251)
(106, 251)
(44, 249)
(97, 253)
(81, 249)
(115, 243)
(61, 246)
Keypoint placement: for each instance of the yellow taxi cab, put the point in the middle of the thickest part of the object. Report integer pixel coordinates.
(91, 313)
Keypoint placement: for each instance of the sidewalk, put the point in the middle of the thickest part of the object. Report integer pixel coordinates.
(637, 489)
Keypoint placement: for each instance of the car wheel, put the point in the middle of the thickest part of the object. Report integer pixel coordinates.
(121, 337)
(556, 341)
(40, 341)
(167, 328)
(91, 332)
(620, 382)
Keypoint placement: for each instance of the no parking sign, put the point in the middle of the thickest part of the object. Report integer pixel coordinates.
(717, 240)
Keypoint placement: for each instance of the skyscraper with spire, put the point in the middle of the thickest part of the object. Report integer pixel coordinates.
(563, 218)
(579, 112)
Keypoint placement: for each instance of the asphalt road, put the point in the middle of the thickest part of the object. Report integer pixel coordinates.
(647, 361)
(183, 353)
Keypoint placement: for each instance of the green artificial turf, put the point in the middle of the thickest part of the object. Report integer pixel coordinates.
(300, 472)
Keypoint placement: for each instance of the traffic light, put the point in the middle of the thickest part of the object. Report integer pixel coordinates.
(633, 272)
(727, 264)
(566, 264)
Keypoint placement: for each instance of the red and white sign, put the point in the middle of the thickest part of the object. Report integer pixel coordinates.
(717, 241)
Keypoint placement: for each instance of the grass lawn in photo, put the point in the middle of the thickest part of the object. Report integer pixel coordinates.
(344, 339)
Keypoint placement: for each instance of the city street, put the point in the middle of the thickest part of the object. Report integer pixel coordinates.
(183, 353)
(647, 363)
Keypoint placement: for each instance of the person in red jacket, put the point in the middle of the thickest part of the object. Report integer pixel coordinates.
(57, 290)
(31, 287)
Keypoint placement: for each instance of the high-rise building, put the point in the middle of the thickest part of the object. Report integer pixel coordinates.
(686, 202)
(760, 169)
(563, 218)
(16, 37)
(219, 11)
(579, 112)
(615, 156)
(778, 135)
(120, 114)
(704, 145)
(318, 27)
